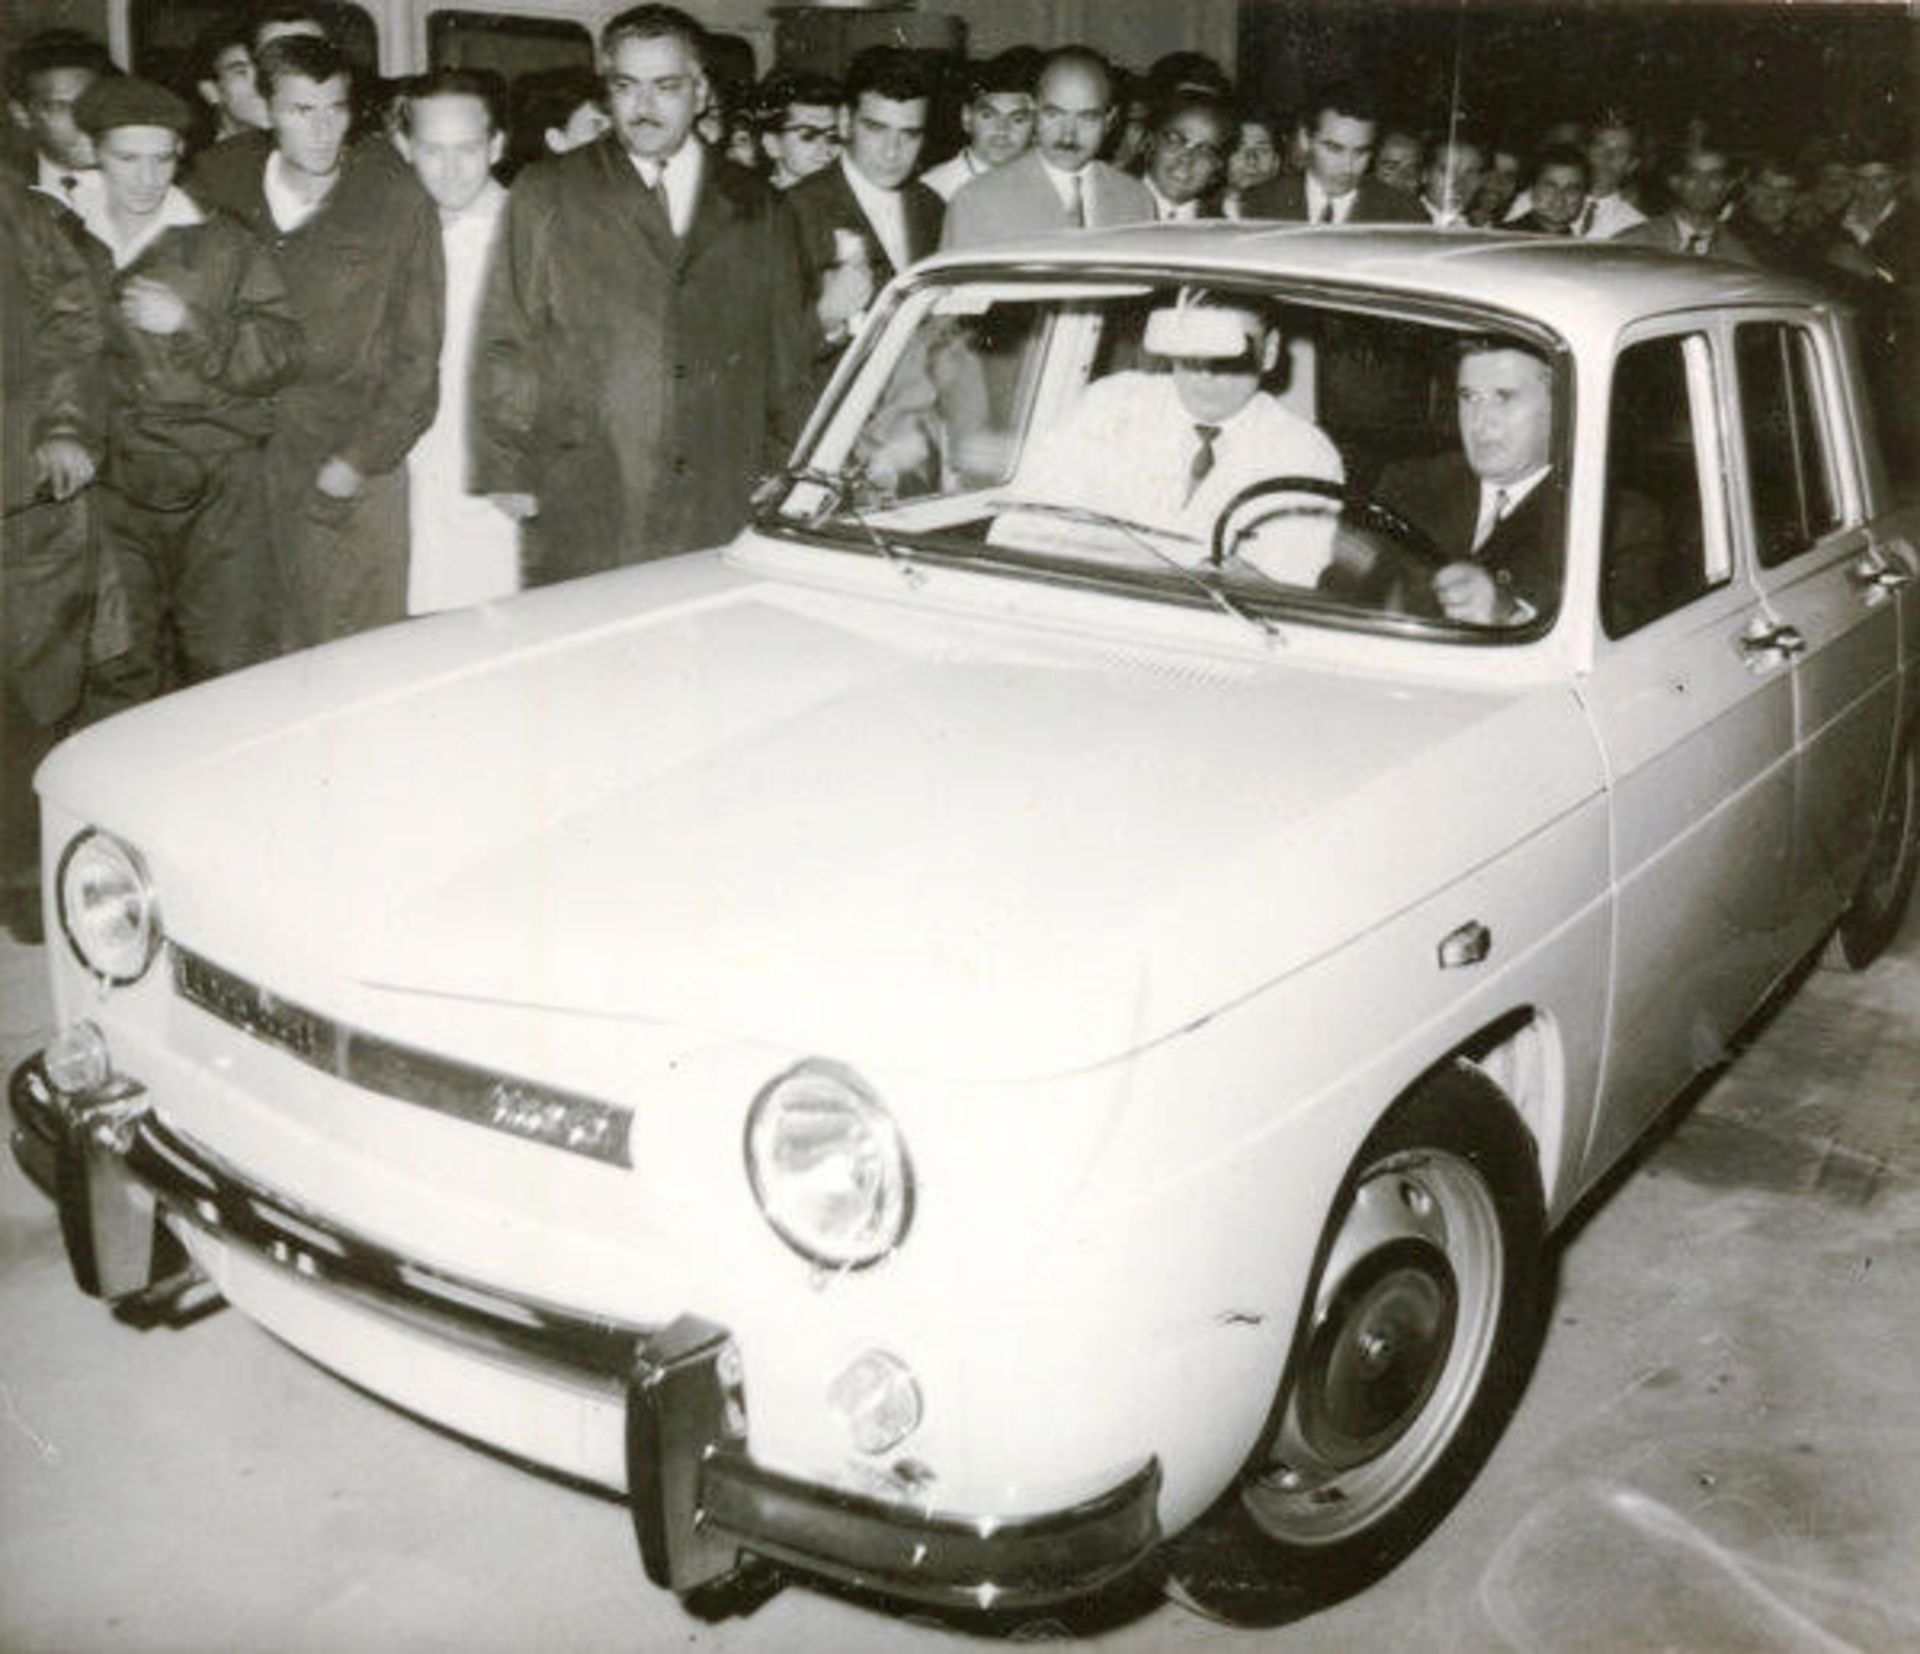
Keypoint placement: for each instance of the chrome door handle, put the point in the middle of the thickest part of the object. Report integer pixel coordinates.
(1783, 641)
(1875, 576)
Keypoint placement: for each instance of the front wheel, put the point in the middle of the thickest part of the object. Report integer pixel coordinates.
(1413, 1348)
(1879, 905)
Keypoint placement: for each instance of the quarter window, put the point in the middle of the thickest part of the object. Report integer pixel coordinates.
(1790, 471)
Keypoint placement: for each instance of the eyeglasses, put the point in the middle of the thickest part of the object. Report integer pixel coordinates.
(812, 134)
(1176, 142)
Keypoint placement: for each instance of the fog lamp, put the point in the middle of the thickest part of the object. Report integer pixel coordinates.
(77, 1060)
(878, 1399)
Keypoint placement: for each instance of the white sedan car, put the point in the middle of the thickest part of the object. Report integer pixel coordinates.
(1034, 1016)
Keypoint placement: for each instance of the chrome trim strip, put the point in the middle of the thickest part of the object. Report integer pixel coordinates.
(518, 1108)
(198, 1189)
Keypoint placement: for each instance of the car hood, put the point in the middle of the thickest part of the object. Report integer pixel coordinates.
(856, 827)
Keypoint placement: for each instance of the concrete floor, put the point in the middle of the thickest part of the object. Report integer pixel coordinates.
(1721, 1449)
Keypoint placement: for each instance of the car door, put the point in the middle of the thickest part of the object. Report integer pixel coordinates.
(1800, 503)
(1692, 705)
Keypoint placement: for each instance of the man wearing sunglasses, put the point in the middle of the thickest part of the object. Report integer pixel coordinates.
(799, 118)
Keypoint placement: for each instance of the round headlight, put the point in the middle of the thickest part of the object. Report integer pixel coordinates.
(828, 1167)
(107, 908)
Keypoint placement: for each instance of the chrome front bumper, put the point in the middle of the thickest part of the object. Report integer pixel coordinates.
(703, 1510)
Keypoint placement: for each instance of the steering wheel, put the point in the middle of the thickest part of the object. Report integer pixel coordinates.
(1391, 568)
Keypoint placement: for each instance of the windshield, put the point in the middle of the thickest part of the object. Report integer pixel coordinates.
(1273, 454)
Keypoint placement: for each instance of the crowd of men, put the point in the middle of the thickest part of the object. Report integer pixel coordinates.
(291, 360)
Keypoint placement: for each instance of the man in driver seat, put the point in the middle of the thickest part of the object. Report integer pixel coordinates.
(1169, 451)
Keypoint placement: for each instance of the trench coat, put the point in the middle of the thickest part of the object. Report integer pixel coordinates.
(637, 384)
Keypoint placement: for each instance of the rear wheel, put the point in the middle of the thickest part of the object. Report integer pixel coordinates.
(1415, 1344)
(1880, 904)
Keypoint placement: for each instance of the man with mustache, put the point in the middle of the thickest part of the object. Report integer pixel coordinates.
(644, 349)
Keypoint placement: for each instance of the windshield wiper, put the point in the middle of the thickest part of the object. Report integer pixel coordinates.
(837, 498)
(1138, 535)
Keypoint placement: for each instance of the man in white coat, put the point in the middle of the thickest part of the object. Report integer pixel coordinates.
(465, 549)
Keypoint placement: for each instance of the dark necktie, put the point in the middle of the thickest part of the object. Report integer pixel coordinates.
(1326, 213)
(656, 186)
(1076, 201)
(68, 184)
(1585, 227)
(1202, 465)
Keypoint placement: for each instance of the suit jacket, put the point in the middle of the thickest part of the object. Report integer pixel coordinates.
(1441, 494)
(635, 383)
(1019, 199)
(1664, 231)
(1285, 198)
(825, 202)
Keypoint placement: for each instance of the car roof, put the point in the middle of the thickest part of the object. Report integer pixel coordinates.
(1573, 286)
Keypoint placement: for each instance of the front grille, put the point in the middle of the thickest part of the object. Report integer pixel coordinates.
(505, 1103)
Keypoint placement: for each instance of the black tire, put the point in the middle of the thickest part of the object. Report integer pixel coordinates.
(1417, 1339)
(1873, 918)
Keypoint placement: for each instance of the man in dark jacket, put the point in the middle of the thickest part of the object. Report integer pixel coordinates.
(1491, 507)
(51, 430)
(1338, 135)
(865, 217)
(644, 347)
(358, 243)
(200, 334)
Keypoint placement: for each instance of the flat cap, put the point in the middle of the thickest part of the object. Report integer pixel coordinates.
(126, 100)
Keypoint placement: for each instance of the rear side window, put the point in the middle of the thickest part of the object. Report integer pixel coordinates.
(1657, 554)
(1790, 456)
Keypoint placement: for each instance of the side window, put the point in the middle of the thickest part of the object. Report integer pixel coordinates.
(506, 45)
(1658, 549)
(1794, 492)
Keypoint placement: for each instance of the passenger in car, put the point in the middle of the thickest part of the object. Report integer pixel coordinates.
(1171, 450)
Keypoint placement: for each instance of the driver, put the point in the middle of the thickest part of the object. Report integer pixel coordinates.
(1170, 450)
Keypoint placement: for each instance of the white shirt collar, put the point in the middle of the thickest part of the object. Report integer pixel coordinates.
(50, 181)
(176, 209)
(484, 208)
(290, 209)
(680, 175)
(884, 209)
(1318, 198)
(1170, 211)
(1515, 492)
(1065, 183)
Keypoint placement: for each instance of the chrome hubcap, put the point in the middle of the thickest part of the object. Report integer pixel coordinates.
(1402, 1329)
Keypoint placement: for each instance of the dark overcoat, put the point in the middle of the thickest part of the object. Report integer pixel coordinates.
(635, 383)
